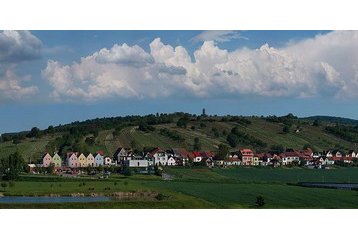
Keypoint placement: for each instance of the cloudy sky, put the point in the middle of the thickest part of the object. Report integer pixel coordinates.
(53, 77)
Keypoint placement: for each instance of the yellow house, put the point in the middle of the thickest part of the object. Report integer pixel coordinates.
(90, 160)
(82, 160)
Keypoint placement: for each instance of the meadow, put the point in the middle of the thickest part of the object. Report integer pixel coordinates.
(201, 188)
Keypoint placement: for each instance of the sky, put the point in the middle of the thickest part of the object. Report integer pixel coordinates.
(57, 77)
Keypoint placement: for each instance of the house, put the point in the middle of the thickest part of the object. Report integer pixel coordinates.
(255, 160)
(107, 161)
(46, 160)
(82, 160)
(197, 156)
(98, 160)
(136, 162)
(158, 156)
(347, 160)
(266, 159)
(181, 155)
(171, 161)
(290, 157)
(72, 160)
(351, 153)
(121, 154)
(246, 156)
(56, 160)
(31, 168)
(91, 160)
(208, 162)
(333, 153)
(232, 162)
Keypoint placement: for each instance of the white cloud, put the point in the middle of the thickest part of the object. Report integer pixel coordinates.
(16, 46)
(218, 36)
(11, 87)
(325, 65)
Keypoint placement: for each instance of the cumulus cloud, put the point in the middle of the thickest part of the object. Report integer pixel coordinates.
(325, 65)
(11, 87)
(218, 36)
(17, 46)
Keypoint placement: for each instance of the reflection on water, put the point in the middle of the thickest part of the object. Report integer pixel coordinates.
(52, 199)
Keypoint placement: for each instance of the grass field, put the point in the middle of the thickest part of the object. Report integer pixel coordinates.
(202, 188)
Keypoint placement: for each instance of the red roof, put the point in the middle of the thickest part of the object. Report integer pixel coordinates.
(154, 151)
(208, 154)
(197, 153)
(246, 151)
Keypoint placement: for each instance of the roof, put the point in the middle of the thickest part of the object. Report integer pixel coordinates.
(45, 155)
(181, 151)
(115, 155)
(197, 154)
(154, 151)
(208, 154)
(246, 151)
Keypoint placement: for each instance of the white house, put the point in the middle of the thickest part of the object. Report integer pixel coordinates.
(171, 161)
(158, 156)
(136, 163)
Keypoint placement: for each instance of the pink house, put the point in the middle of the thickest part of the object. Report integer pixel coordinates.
(46, 160)
(72, 160)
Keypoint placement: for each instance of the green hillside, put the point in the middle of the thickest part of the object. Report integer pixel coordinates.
(258, 133)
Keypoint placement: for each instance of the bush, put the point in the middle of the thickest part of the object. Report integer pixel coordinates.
(160, 196)
(260, 202)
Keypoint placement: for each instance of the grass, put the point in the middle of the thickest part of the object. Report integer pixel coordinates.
(201, 188)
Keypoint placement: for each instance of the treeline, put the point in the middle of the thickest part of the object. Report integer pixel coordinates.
(236, 136)
(349, 133)
(287, 120)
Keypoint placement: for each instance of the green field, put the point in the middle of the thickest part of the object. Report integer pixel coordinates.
(201, 188)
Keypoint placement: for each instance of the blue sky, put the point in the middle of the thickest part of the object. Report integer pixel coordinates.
(56, 77)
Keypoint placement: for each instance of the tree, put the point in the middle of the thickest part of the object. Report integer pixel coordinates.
(222, 152)
(197, 144)
(12, 166)
(4, 185)
(316, 123)
(260, 202)
(232, 139)
(51, 168)
(50, 130)
(35, 132)
(286, 129)
(183, 121)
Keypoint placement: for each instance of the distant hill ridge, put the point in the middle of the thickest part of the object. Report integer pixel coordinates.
(332, 119)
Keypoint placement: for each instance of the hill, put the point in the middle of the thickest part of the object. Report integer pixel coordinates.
(330, 119)
(180, 130)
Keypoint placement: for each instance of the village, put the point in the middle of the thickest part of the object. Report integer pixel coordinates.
(75, 162)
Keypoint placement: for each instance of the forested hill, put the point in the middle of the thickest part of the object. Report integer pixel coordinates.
(194, 132)
(330, 119)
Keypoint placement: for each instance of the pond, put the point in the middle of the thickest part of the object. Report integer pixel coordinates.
(13, 199)
(349, 186)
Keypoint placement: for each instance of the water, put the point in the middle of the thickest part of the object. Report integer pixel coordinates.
(331, 185)
(52, 199)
